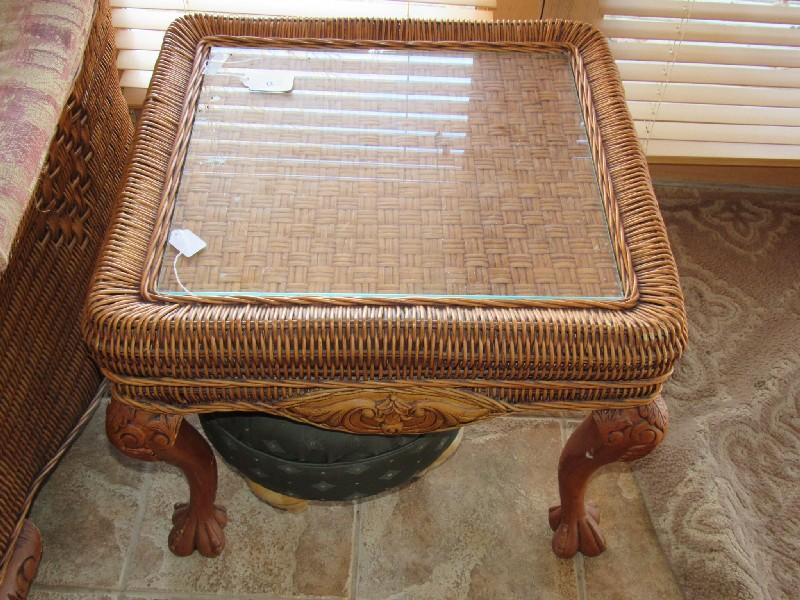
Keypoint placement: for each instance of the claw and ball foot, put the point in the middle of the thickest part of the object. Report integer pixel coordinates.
(604, 437)
(198, 524)
(192, 530)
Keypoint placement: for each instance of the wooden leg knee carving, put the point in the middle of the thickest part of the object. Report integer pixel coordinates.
(23, 564)
(197, 525)
(603, 437)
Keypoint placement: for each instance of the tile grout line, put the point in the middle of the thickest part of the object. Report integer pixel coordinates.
(580, 576)
(577, 561)
(355, 551)
(137, 530)
(73, 589)
(151, 594)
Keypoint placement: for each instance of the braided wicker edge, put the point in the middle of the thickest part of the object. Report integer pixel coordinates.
(424, 404)
(156, 248)
(384, 408)
(130, 335)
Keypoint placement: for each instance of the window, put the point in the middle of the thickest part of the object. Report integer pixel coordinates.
(141, 23)
(710, 80)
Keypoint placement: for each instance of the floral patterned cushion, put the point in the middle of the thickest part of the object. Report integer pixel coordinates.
(41, 47)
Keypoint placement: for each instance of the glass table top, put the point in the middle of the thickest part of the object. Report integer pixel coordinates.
(363, 172)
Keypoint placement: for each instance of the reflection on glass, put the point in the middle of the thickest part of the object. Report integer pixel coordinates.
(391, 172)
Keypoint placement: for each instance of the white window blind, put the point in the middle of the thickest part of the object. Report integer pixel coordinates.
(710, 81)
(140, 24)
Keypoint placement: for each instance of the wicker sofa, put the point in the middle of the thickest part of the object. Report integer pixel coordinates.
(64, 137)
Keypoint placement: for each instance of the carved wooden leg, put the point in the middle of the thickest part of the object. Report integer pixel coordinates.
(197, 525)
(23, 564)
(603, 437)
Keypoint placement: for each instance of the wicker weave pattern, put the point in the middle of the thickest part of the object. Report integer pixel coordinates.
(346, 193)
(622, 348)
(47, 378)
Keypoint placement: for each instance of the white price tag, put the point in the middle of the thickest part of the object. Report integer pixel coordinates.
(269, 81)
(186, 241)
(215, 63)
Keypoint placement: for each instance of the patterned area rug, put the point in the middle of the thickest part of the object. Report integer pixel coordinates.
(723, 490)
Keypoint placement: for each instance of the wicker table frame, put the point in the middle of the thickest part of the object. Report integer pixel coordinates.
(400, 365)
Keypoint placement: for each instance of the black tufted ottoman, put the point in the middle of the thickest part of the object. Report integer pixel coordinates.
(287, 463)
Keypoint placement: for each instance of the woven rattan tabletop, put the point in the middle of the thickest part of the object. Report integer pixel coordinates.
(412, 208)
(336, 171)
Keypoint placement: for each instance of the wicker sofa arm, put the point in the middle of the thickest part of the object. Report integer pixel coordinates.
(47, 379)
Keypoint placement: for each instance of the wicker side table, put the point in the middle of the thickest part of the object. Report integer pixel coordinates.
(410, 226)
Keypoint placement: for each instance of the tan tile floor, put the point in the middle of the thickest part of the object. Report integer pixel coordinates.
(475, 528)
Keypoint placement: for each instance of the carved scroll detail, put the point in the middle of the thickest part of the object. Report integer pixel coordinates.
(387, 410)
(141, 434)
(638, 430)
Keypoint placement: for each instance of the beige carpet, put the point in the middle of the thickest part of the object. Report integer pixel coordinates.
(723, 491)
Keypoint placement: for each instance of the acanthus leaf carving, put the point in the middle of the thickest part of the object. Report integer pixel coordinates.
(388, 410)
